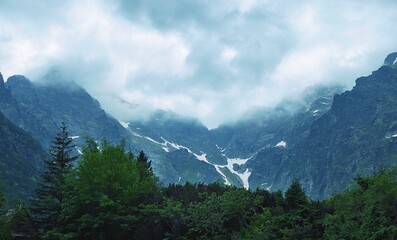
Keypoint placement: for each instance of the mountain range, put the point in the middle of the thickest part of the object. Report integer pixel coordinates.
(323, 139)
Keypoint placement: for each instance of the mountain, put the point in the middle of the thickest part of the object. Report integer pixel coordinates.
(185, 150)
(270, 126)
(268, 136)
(40, 108)
(21, 157)
(356, 136)
(181, 148)
(323, 139)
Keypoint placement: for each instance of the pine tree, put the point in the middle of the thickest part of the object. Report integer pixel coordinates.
(145, 161)
(47, 204)
(295, 197)
(145, 166)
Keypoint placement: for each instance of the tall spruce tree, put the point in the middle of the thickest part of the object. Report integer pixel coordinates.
(49, 198)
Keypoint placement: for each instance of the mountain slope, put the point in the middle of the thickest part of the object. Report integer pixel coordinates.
(356, 136)
(321, 139)
(21, 157)
(180, 148)
(41, 108)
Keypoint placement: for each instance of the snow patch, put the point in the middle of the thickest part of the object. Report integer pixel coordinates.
(243, 176)
(202, 157)
(124, 124)
(135, 134)
(281, 144)
(166, 149)
(152, 140)
(395, 61)
(222, 150)
(316, 111)
(268, 188)
(392, 136)
(74, 137)
(217, 167)
(167, 144)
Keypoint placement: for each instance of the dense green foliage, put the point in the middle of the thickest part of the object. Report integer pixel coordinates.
(110, 194)
(105, 194)
(369, 211)
(5, 232)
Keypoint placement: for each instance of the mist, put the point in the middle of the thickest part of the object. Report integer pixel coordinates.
(212, 61)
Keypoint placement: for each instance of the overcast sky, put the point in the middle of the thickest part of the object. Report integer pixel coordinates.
(213, 60)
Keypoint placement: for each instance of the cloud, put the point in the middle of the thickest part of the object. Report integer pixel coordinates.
(214, 61)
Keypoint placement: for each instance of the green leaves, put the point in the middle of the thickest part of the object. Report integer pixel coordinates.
(103, 192)
(368, 211)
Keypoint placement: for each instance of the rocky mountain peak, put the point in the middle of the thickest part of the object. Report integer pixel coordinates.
(18, 81)
(1, 80)
(391, 60)
(2, 85)
(4, 92)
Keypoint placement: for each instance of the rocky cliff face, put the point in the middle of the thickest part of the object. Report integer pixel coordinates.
(181, 148)
(41, 108)
(270, 138)
(21, 157)
(357, 136)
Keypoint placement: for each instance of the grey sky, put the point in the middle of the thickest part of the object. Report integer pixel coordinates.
(213, 60)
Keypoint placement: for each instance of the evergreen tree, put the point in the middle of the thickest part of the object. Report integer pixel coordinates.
(49, 198)
(295, 197)
(142, 159)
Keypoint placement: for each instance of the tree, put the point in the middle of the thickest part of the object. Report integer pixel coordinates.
(295, 197)
(49, 197)
(105, 194)
(145, 165)
(368, 211)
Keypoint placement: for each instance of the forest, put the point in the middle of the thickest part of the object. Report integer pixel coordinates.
(111, 194)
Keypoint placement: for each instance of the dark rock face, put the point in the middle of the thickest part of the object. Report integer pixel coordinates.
(21, 157)
(174, 143)
(187, 132)
(40, 109)
(270, 138)
(357, 136)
